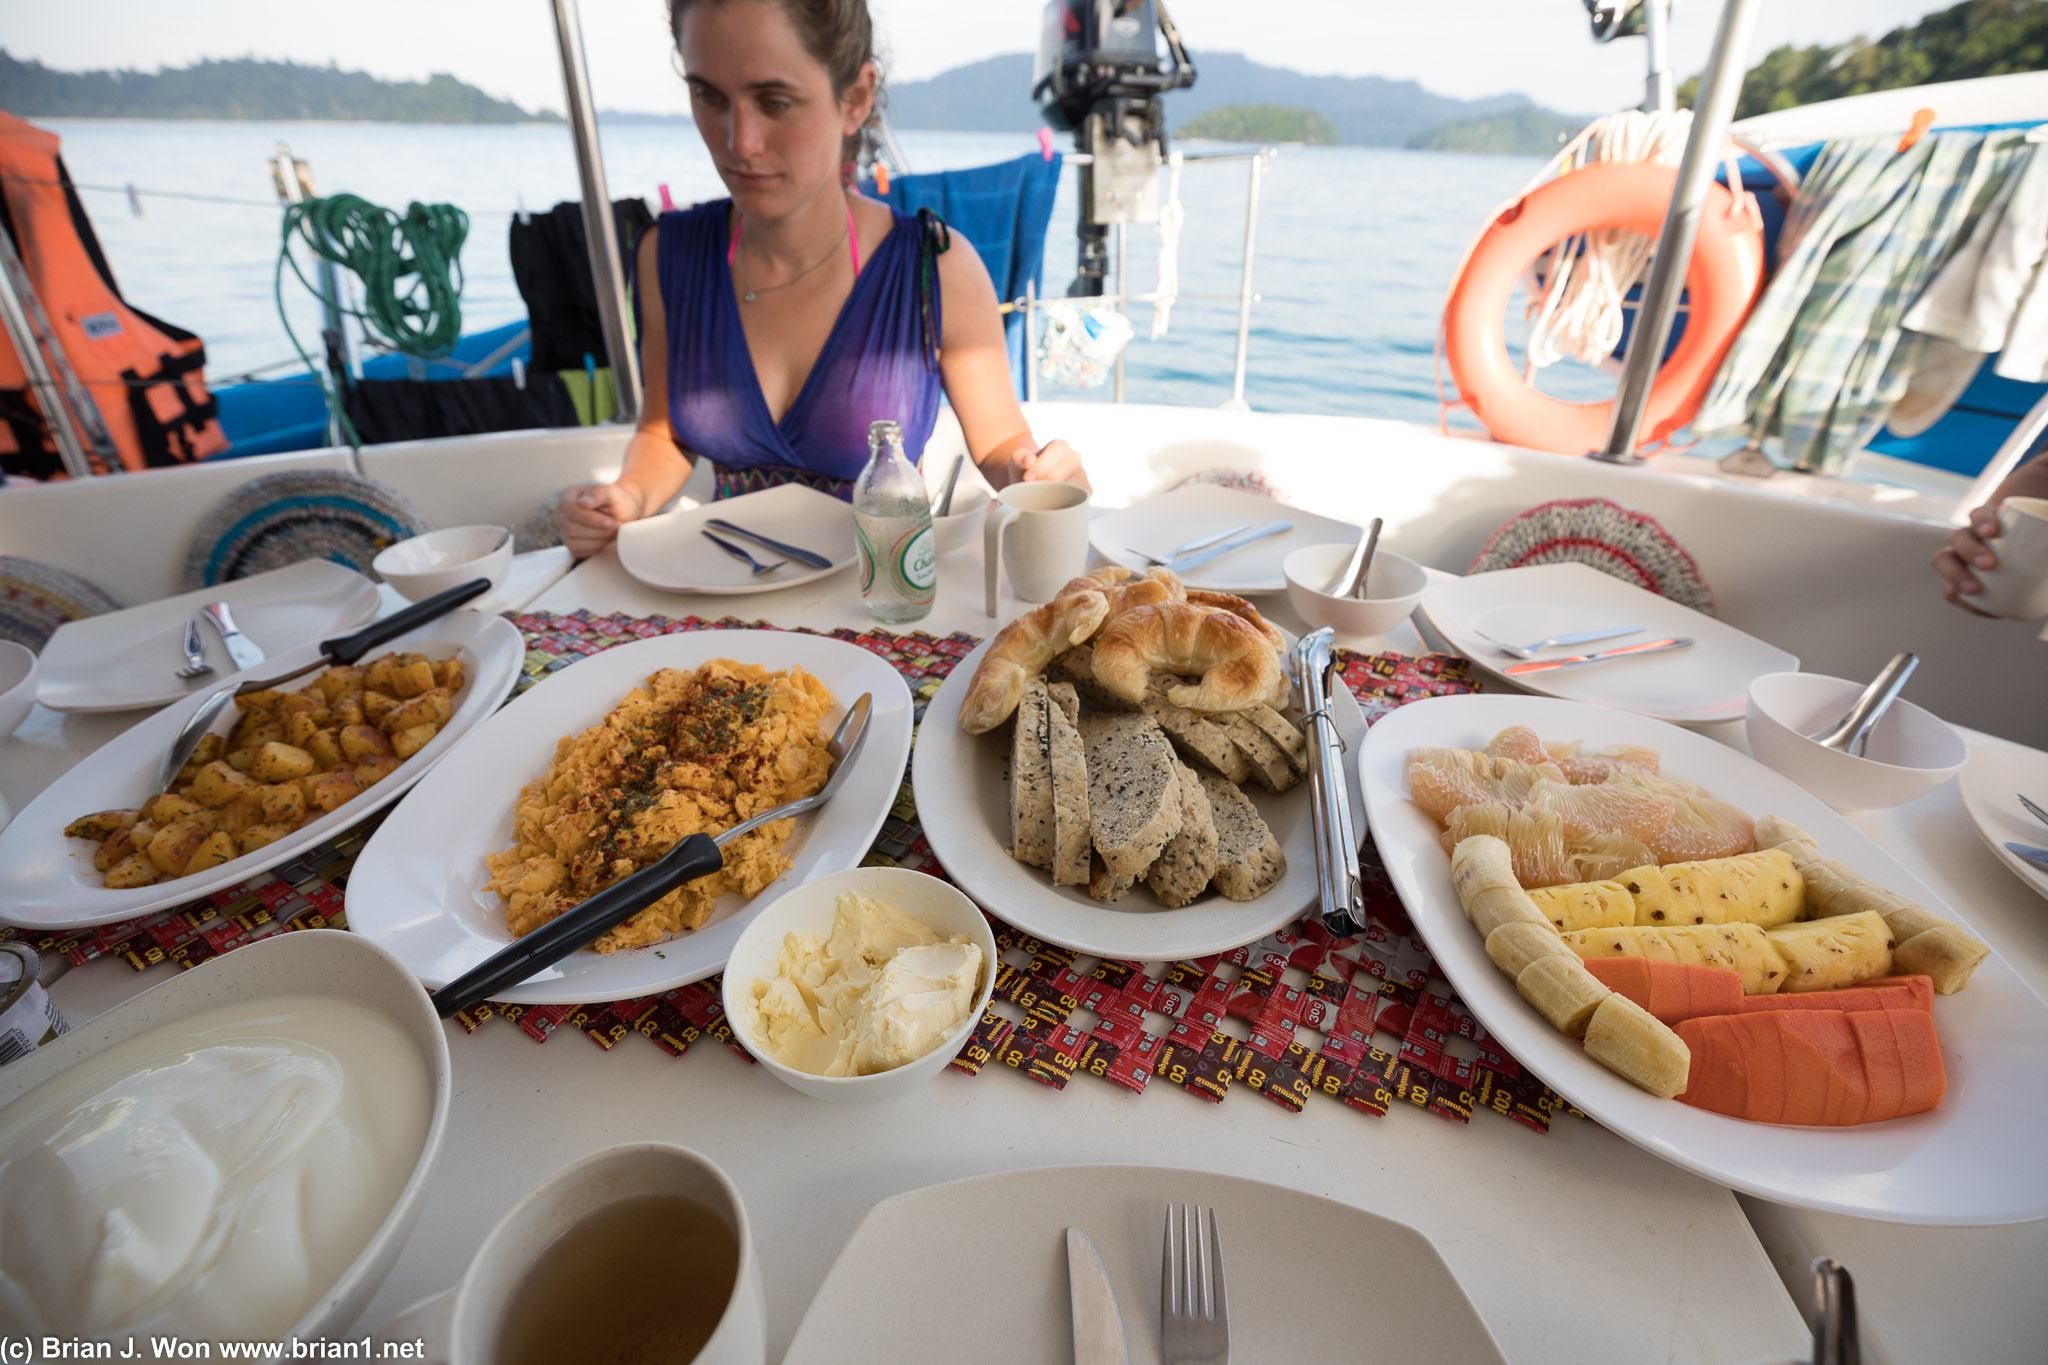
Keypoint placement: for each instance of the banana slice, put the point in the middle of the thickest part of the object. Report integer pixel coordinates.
(1632, 1043)
(1563, 991)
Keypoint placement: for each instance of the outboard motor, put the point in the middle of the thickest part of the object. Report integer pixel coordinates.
(1100, 76)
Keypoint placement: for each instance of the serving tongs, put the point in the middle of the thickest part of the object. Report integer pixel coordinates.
(695, 856)
(1336, 833)
(344, 649)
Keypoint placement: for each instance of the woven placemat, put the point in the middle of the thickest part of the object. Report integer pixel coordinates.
(1296, 1014)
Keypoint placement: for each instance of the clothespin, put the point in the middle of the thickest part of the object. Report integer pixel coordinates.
(1923, 119)
(134, 202)
(668, 205)
(520, 200)
(518, 374)
(881, 178)
(1045, 144)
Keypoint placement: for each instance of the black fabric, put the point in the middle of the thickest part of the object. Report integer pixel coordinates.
(418, 409)
(168, 443)
(551, 264)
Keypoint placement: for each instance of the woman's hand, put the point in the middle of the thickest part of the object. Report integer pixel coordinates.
(1967, 547)
(1055, 460)
(591, 514)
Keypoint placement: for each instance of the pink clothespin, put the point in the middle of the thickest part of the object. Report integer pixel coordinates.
(668, 205)
(1045, 143)
(881, 178)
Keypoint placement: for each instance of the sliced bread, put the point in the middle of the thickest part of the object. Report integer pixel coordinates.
(1270, 766)
(1031, 831)
(1198, 739)
(1063, 699)
(1070, 831)
(1076, 668)
(1133, 789)
(1188, 861)
(1104, 885)
(1248, 858)
(1282, 732)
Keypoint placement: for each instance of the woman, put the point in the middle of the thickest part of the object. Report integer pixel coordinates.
(776, 325)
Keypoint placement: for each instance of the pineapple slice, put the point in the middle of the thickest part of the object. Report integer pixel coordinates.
(1753, 888)
(1585, 905)
(1744, 947)
(1823, 954)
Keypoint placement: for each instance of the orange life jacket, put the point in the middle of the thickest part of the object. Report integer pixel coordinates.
(145, 374)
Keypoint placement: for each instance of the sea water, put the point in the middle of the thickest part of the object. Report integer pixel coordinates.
(1356, 245)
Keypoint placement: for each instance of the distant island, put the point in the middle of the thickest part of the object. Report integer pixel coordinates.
(1976, 38)
(1518, 132)
(245, 88)
(1262, 123)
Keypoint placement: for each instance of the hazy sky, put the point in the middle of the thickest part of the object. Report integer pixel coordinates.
(1456, 47)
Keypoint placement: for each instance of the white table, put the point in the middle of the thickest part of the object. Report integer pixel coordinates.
(1576, 1246)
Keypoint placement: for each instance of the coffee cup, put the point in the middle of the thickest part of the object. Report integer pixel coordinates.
(2018, 587)
(555, 1278)
(1038, 534)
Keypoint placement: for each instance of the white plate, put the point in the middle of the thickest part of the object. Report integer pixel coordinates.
(962, 782)
(671, 553)
(129, 659)
(1973, 1161)
(1174, 518)
(47, 881)
(418, 887)
(1308, 1279)
(1707, 681)
(1990, 785)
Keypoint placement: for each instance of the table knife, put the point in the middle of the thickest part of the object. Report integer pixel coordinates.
(1098, 1329)
(1644, 647)
(1201, 557)
(796, 552)
(2037, 856)
(244, 651)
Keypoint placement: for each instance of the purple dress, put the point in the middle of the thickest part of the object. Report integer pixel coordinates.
(877, 363)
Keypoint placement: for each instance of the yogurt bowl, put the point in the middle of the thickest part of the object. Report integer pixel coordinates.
(438, 560)
(812, 909)
(323, 975)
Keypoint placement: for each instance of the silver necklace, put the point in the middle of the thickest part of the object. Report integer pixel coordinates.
(748, 292)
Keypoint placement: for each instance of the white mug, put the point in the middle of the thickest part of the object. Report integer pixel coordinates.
(2018, 587)
(460, 1325)
(1038, 533)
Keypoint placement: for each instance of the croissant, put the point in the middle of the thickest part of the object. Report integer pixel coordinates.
(1126, 590)
(1023, 648)
(1237, 606)
(1238, 667)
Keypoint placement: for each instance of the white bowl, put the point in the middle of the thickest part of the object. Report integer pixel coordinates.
(810, 907)
(317, 962)
(1396, 583)
(1911, 752)
(439, 560)
(961, 527)
(17, 685)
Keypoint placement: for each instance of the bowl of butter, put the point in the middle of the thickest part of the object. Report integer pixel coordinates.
(861, 985)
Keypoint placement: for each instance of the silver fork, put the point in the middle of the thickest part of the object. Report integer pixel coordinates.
(2036, 811)
(1194, 1319)
(737, 553)
(195, 653)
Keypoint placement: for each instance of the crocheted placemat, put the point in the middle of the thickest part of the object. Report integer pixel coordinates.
(1366, 1021)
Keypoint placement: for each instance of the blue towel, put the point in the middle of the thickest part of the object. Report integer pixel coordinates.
(1004, 210)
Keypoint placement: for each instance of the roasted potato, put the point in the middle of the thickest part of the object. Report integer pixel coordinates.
(406, 743)
(358, 741)
(173, 846)
(218, 848)
(217, 784)
(102, 824)
(428, 708)
(331, 789)
(448, 673)
(347, 711)
(256, 836)
(279, 762)
(375, 768)
(300, 728)
(281, 803)
(131, 872)
(411, 677)
(377, 705)
(119, 847)
(169, 807)
(326, 749)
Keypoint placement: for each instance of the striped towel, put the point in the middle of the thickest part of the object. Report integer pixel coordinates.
(1822, 357)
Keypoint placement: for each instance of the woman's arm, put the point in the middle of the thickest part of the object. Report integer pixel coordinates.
(655, 464)
(975, 364)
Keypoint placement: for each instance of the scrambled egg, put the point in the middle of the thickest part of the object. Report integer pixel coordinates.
(688, 753)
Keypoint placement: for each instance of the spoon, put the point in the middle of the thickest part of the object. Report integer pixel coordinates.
(696, 856)
(1351, 582)
(952, 479)
(1851, 734)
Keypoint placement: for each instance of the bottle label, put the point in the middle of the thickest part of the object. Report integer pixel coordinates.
(916, 565)
(867, 558)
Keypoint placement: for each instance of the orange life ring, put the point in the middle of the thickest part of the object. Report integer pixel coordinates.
(1722, 282)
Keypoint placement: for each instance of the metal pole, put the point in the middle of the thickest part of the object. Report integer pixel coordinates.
(605, 269)
(1122, 242)
(73, 418)
(1658, 92)
(2010, 456)
(1712, 113)
(1030, 347)
(294, 184)
(1244, 283)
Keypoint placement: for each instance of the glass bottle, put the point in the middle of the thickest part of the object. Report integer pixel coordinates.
(892, 520)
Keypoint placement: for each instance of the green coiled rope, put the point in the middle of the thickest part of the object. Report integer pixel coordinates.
(410, 267)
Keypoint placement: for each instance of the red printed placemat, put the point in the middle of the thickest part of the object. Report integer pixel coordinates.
(1365, 1021)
